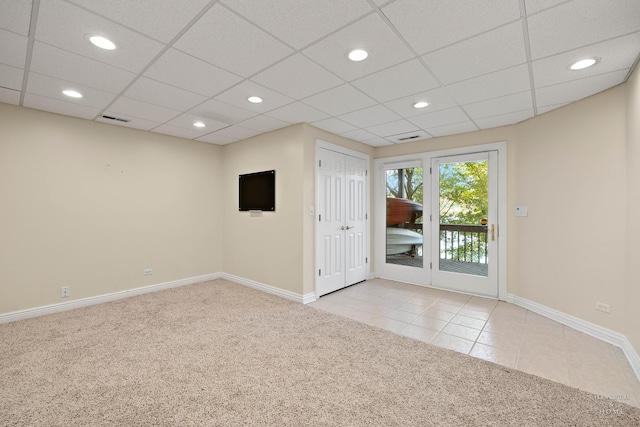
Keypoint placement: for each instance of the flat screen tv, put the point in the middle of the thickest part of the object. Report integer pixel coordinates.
(257, 191)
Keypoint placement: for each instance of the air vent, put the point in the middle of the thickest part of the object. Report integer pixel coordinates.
(414, 135)
(407, 138)
(117, 119)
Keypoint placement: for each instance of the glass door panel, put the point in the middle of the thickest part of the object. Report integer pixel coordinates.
(404, 216)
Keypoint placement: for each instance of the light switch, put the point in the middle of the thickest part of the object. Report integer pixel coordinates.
(522, 211)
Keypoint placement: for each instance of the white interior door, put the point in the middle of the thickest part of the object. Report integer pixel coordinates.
(342, 221)
(464, 223)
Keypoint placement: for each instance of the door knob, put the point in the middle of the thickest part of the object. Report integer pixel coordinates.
(349, 228)
(342, 228)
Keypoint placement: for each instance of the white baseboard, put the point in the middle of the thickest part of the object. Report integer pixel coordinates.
(604, 334)
(99, 299)
(304, 299)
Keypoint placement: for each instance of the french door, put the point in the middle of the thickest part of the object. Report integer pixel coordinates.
(342, 221)
(464, 223)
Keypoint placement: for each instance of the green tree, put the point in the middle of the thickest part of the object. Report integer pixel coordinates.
(463, 192)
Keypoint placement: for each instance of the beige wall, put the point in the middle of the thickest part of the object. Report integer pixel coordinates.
(90, 206)
(267, 247)
(632, 325)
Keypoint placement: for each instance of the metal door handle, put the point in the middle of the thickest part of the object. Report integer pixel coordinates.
(349, 228)
(342, 228)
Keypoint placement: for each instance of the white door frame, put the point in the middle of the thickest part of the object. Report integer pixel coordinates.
(423, 276)
(320, 144)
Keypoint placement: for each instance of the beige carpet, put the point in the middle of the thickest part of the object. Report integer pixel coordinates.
(219, 354)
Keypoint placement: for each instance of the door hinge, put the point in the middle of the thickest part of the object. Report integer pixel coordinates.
(430, 266)
(366, 260)
(430, 218)
(366, 216)
(319, 273)
(366, 172)
(430, 171)
(320, 218)
(320, 163)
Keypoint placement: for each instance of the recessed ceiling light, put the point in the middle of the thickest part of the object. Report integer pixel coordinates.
(421, 104)
(254, 99)
(584, 63)
(102, 42)
(199, 124)
(357, 55)
(72, 93)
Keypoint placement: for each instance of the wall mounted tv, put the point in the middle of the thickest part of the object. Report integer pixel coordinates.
(257, 191)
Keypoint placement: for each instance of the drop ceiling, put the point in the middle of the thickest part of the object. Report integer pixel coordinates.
(479, 64)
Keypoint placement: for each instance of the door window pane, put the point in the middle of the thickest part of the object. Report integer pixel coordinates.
(404, 216)
(464, 205)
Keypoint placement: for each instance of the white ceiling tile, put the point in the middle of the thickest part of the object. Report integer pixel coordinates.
(397, 81)
(16, 15)
(263, 123)
(463, 127)
(68, 66)
(578, 89)
(370, 116)
(13, 49)
(440, 118)
(483, 54)
(392, 128)
(142, 110)
(547, 108)
(179, 132)
(334, 125)
(378, 142)
(9, 96)
(160, 19)
(52, 87)
(212, 138)
(184, 71)
(133, 51)
(297, 113)
(492, 85)
(11, 77)
(133, 122)
(360, 135)
(59, 107)
(300, 22)
(161, 94)
(371, 34)
(237, 132)
(497, 106)
(616, 54)
(297, 77)
(438, 99)
(580, 23)
(429, 24)
(222, 112)
(239, 94)
(504, 119)
(186, 121)
(224, 39)
(340, 100)
(534, 6)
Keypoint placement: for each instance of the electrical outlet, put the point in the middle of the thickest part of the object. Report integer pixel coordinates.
(64, 291)
(147, 272)
(600, 306)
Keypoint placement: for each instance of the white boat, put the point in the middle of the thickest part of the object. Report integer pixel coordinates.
(400, 240)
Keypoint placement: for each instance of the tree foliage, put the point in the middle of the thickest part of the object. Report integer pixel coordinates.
(463, 192)
(411, 184)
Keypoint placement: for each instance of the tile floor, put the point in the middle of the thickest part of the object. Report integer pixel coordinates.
(492, 330)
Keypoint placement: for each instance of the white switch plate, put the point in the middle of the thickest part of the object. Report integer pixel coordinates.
(522, 211)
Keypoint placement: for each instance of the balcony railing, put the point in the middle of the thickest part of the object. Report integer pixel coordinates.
(464, 243)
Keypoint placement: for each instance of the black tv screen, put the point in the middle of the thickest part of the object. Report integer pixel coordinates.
(258, 191)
